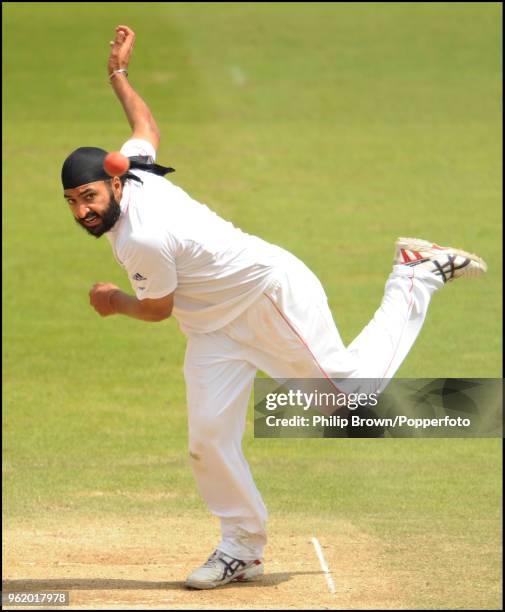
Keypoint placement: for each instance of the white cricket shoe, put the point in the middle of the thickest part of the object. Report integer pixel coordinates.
(446, 262)
(220, 569)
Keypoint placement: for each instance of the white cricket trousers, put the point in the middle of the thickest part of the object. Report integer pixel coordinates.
(288, 332)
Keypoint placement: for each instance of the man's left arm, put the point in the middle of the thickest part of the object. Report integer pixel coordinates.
(108, 299)
(137, 112)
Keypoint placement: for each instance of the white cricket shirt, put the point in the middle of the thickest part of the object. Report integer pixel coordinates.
(168, 242)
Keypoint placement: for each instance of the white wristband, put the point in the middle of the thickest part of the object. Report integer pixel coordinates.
(114, 72)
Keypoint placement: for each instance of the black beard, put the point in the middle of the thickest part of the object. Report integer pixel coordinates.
(108, 218)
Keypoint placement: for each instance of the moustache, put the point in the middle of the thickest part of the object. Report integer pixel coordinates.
(90, 217)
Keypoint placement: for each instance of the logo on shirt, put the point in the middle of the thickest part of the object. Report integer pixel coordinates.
(138, 277)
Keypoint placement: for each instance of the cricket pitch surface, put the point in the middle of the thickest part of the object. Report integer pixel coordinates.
(142, 564)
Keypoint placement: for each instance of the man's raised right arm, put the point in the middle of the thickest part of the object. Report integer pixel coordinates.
(137, 112)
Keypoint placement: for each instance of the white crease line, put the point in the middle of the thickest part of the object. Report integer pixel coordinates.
(324, 566)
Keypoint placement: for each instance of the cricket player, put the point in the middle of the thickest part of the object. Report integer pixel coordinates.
(244, 305)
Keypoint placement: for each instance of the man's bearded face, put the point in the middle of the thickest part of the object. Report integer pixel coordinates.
(94, 207)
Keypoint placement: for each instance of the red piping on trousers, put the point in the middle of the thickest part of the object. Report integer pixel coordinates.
(291, 326)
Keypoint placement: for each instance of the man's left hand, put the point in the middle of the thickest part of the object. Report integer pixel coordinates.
(121, 49)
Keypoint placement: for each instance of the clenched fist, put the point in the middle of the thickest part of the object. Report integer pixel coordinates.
(100, 298)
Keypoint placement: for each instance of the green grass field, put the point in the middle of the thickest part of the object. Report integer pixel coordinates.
(327, 128)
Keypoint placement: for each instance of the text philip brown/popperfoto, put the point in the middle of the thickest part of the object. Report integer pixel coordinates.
(357, 421)
(331, 402)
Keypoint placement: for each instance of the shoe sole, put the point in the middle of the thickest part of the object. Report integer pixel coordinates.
(416, 244)
(248, 575)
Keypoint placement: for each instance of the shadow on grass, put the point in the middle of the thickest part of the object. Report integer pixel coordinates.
(100, 584)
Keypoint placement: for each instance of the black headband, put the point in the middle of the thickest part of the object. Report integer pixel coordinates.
(85, 165)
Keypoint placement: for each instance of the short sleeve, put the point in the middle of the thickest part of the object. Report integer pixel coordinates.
(138, 146)
(150, 263)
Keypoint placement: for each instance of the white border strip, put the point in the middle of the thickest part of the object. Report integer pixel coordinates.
(324, 566)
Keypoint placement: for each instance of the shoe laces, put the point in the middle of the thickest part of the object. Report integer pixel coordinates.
(211, 561)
